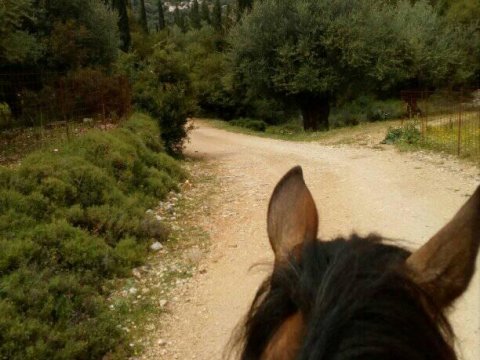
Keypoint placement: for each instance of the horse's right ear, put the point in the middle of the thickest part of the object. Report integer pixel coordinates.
(292, 215)
(445, 265)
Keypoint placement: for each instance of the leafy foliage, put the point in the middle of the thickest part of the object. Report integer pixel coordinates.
(17, 44)
(88, 29)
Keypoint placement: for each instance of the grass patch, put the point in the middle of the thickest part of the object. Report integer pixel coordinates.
(255, 125)
(452, 139)
(71, 220)
(17, 143)
(441, 134)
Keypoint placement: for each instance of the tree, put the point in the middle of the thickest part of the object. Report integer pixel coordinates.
(143, 17)
(161, 16)
(179, 19)
(163, 89)
(123, 25)
(217, 16)
(195, 15)
(57, 36)
(205, 12)
(308, 52)
(95, 25)
(17, 44)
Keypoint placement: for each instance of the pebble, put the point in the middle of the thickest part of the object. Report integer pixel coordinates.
(156, 246)
(136, 273)
(132, 290)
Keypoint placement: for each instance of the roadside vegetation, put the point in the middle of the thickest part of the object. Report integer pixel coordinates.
(73, 218)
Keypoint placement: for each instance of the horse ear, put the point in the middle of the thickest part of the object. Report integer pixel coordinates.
(292, 215)
(445, 265)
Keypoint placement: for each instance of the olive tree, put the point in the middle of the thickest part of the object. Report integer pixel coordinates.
(308, 52)
(17, 44)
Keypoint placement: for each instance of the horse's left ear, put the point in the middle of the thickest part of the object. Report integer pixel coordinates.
(445, 265)
(292, 215)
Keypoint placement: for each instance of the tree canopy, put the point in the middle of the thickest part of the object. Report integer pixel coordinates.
(310, 51)
(60, 34)
(17, 44)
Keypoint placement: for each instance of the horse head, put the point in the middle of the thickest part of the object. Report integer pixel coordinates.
(356, 298)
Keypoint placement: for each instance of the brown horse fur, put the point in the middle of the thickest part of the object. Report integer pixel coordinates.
(356, 298)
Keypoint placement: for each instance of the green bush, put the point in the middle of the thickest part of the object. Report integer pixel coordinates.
(366, 108)
(407, 134)
(162, 88)
(70, 220)
(255, 125)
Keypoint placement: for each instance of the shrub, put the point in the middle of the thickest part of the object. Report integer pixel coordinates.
(255, 125)
(69, 221)
(162, 88)
(407, 134)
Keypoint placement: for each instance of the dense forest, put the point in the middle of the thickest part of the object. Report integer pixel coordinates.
(321, 63)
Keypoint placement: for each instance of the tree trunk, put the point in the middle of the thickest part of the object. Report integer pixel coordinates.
(123, 25)
(315, 112)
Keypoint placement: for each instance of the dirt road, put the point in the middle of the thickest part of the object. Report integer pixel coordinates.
(356, 189)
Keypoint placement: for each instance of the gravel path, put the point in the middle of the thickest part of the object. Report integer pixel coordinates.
(405, 196)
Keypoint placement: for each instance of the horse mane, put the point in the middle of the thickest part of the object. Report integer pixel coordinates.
(358, 302)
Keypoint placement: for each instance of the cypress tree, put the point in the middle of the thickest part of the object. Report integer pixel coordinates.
(143, 17)
(176, 16)
(123, 25)
(217, 16)
(195, 16)
(205, 12)
(161, 16)
(179, 19)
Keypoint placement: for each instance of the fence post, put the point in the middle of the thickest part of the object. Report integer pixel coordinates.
(104, 115)
(459, 136)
